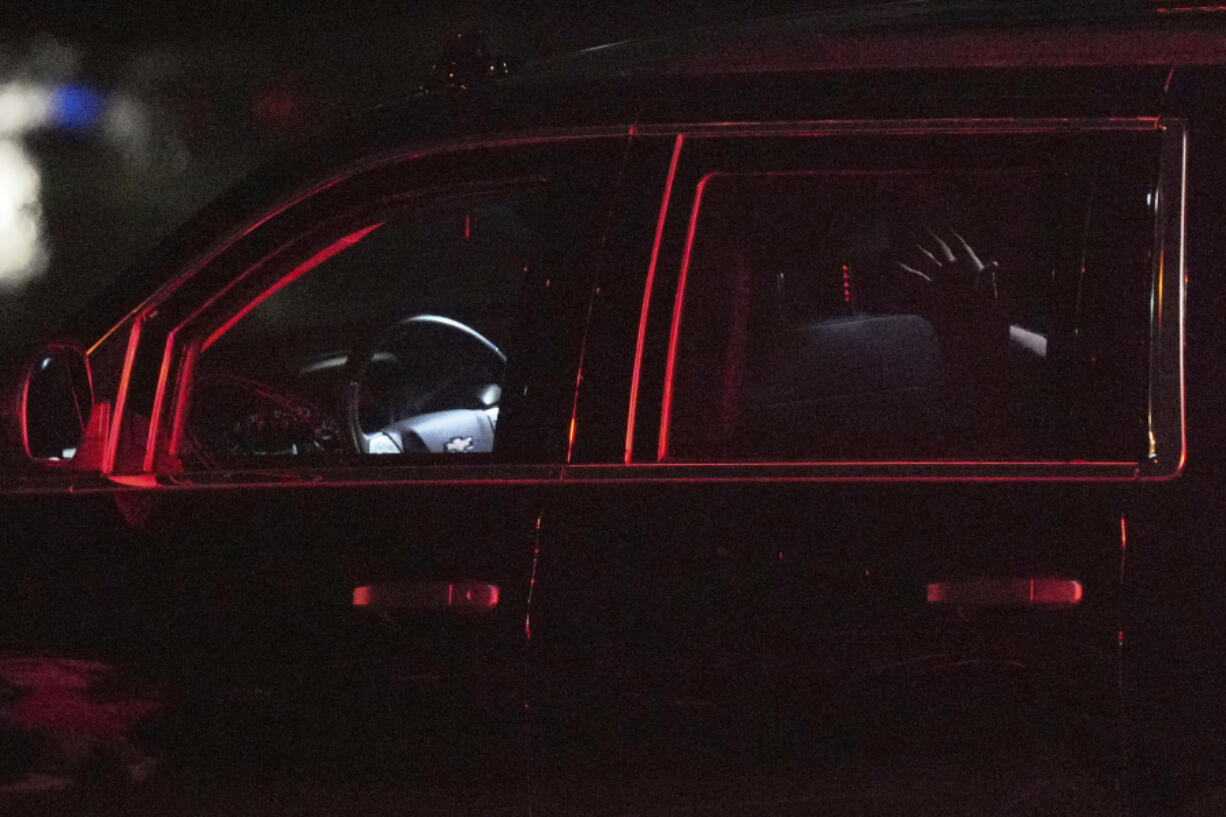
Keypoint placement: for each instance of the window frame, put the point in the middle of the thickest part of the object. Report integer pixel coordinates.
(273, 274)
(1165, 366)
(170, 308)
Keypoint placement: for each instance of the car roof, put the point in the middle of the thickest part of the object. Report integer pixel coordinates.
(921, 33)
(887, 60)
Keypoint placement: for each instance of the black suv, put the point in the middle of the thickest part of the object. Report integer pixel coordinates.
(782, 419)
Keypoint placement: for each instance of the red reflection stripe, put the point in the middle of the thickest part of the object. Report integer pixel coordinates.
(465, 596)
(186, 374)
(678, 305)
(158, 397)
(985, 592)
(651, 276)
(296, 273)
(129, 358)
(25, 416)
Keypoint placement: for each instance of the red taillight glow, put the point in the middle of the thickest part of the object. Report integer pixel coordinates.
(980, 592)
(459, 596)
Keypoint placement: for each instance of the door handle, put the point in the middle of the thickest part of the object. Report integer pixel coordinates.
(1043, 591)
(461, 596)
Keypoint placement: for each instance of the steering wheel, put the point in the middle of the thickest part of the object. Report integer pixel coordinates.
(435, 357)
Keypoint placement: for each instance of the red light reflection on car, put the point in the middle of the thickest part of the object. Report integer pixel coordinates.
(651, 275)
(993, 592)
(428, 595)
(112, 441)
(303, 268)
(667, 406)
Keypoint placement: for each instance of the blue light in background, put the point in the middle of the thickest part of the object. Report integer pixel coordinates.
(75, 107)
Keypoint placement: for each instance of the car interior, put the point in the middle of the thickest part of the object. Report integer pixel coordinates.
(838, 316)
(392, 346)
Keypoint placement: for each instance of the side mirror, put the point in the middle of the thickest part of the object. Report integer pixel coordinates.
(48, 400)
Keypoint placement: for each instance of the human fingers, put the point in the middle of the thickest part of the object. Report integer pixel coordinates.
(942, 248)
(967, 251)
(924, 251)
(912, 271)
(990, 269)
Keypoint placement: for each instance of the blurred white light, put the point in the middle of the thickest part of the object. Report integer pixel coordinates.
(24, 107)
(126, 119)
(22, 252)
(128, 124)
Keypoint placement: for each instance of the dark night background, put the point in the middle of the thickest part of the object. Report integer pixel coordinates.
(119, 119)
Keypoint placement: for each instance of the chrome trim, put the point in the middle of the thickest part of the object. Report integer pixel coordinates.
(352, 476)
(820, 127)
(1165, 409)
(929, 471)
(1166, 372)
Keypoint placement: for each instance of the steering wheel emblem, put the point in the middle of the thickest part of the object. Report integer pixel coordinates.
(458, 445)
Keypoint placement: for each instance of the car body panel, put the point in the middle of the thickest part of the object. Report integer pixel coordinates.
(675, 635)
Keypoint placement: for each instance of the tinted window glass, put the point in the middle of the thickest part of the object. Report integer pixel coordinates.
(915, 313)
(420, 308)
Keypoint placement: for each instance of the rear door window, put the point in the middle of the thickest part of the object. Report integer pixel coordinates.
(953, 297)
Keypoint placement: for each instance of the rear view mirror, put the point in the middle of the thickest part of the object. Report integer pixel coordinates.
(48, 406)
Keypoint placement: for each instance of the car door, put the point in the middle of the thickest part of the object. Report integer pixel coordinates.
(329, 439)
(859, 544)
